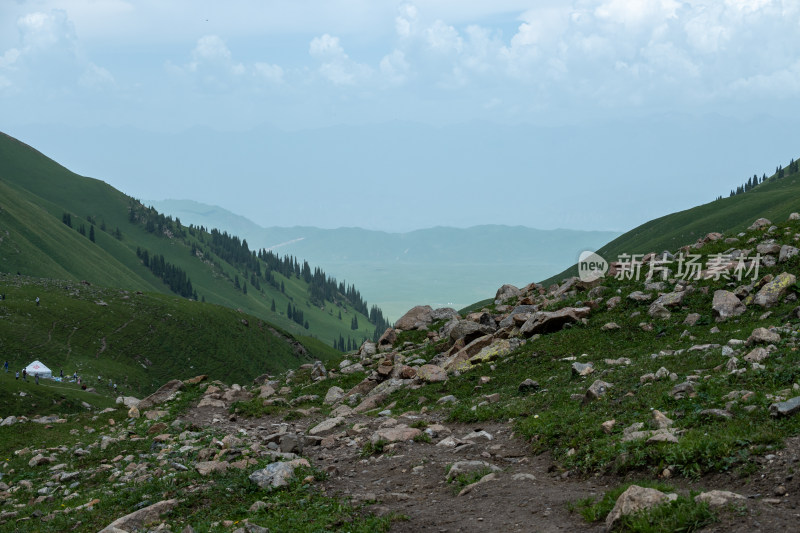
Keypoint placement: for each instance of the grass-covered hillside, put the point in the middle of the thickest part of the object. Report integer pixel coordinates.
(58, 225)
(137, 340)
(775, 199)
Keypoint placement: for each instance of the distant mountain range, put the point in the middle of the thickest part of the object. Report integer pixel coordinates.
(440, 266)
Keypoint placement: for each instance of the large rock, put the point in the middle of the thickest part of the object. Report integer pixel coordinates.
(768, 248)
(760, 223)
(469, 331)
(787, 252)
(771, 293)
(205, 468)
(276, 474)
(444, 313)
(756, 355)
(386, 340)
(418, 317)
(671, 299)
(368, 349)
(139, 519)
(399, 433)
(506, 292)
(326, 425)
(431, 374)
(657, 310)
(499, 348)
(163, 394)
(763, 336)
(550, 321)
(128, 401)
(787, 408)
(333, 395)
(518, 311)
(726, 305)
(636, 499)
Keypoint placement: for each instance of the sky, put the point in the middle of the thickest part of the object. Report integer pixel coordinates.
(582, 114)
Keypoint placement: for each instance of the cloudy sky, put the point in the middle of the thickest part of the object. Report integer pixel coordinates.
(586, 114)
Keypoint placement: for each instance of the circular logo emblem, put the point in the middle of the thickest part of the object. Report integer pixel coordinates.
(591, 266)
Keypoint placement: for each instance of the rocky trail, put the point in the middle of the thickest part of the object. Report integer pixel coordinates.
(410, 478)
(519, 491)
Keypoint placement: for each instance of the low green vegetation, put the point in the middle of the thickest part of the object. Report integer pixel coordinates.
(682, 514)
(137, 340)
(215, 502)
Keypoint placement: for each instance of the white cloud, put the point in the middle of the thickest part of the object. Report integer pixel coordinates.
(49, 55)
(705, 32)
(268, 72)
(443, 38)
(635, 14)
(326, 46)
(42, 31)
(405, 21)
(213, 49)
(213, 66)
(336, 67)
(394, 67)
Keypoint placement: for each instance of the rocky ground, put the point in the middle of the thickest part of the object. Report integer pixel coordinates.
(518, 492)
(516, 417)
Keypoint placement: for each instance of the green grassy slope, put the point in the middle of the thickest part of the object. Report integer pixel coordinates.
(774, 199)
(36, 192)
(139, 340)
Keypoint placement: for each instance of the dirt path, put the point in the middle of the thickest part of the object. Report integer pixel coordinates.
(528, 494)
(409, 477)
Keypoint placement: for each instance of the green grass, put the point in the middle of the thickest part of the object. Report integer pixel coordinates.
(373, 448)
(140, 341)
(48, 397)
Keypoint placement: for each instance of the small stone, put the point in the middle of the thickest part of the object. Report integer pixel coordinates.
(608, 426)
(528, 386)
(582, 369)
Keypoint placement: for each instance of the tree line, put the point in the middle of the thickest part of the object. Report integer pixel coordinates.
(258, 267)
(173, 276)
(755, 181)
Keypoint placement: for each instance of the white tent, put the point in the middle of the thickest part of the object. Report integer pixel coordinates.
(37, 367)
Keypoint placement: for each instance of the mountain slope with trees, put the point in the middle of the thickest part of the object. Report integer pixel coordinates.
(60, 225)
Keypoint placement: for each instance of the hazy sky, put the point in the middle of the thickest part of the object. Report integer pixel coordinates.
(409, 114)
